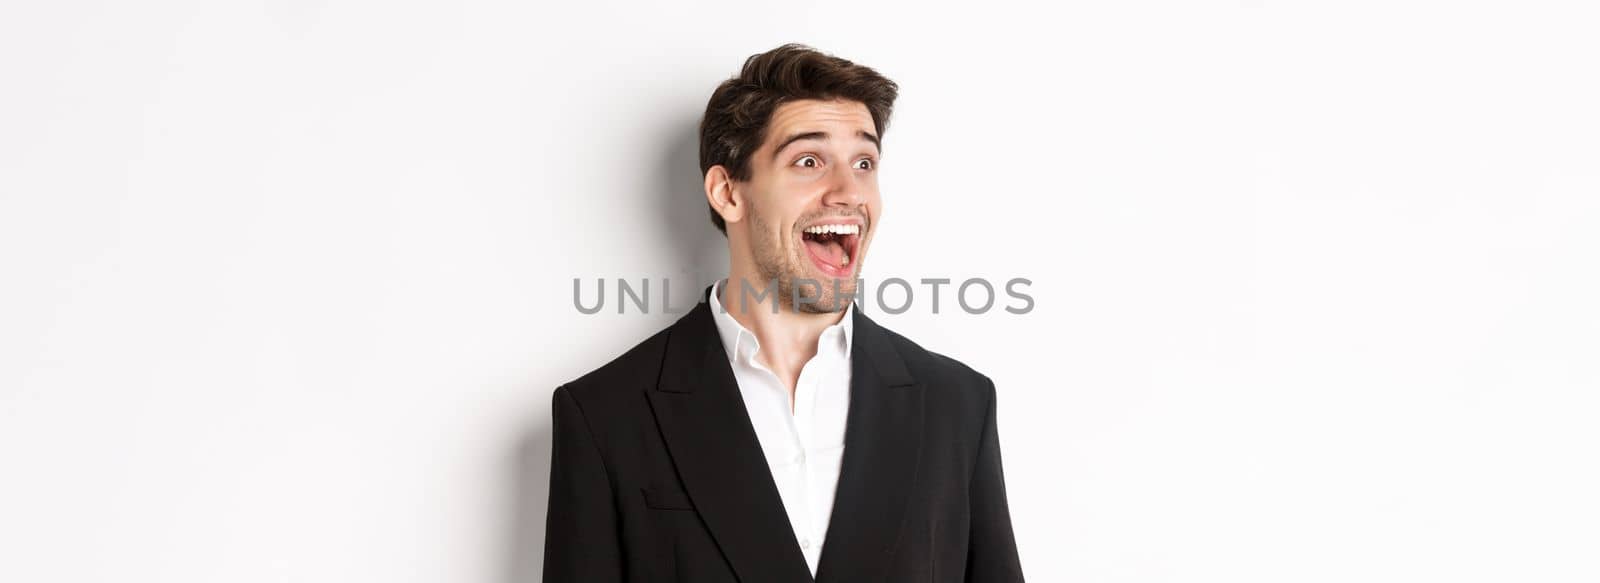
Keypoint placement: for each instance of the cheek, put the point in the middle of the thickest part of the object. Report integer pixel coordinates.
(783, 201)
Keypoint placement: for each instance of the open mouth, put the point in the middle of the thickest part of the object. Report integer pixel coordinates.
(832, 247)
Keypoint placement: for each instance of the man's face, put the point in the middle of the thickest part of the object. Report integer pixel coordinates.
(813, 196)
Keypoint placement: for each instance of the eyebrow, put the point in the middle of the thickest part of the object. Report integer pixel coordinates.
(821, 137)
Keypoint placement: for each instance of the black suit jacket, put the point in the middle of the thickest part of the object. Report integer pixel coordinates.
(657, 475)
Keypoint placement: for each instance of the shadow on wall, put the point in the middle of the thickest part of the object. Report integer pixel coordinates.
(531, 490)
(693, 252)
(693, 245)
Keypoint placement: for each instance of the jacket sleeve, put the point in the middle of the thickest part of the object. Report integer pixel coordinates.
(992, 547)
(581, 544)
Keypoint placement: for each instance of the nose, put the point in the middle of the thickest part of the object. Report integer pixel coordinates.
(845, 188)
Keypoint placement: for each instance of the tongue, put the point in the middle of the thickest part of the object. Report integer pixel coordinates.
(830, 251)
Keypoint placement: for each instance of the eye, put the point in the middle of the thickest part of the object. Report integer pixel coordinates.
(866, 164)
(808, 161)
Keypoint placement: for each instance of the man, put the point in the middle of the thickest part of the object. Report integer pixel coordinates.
(775, 434)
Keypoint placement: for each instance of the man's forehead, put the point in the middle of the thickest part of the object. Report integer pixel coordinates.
(838, 116)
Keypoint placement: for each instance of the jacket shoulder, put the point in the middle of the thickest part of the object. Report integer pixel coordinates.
(637, 367)
(959, 397)
(927, 365)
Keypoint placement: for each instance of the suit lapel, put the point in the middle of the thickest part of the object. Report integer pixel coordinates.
(718, 456)
(883, 443)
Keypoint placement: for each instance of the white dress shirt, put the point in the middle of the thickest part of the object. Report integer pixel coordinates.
(805, 447)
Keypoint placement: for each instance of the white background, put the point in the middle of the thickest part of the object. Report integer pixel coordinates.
(286, 286)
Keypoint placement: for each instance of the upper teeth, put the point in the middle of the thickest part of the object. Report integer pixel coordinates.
(834, 229)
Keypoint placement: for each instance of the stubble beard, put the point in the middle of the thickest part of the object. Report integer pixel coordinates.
(773, 265)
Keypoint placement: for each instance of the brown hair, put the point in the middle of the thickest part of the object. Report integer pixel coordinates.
(735, 121)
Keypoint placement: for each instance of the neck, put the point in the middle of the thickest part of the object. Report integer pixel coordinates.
(788, 337)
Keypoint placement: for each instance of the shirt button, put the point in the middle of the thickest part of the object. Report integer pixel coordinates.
(805, 543)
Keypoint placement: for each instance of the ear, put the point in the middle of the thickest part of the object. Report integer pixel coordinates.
(723, 195)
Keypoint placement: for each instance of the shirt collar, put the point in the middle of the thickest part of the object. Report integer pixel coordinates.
(741, 344)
